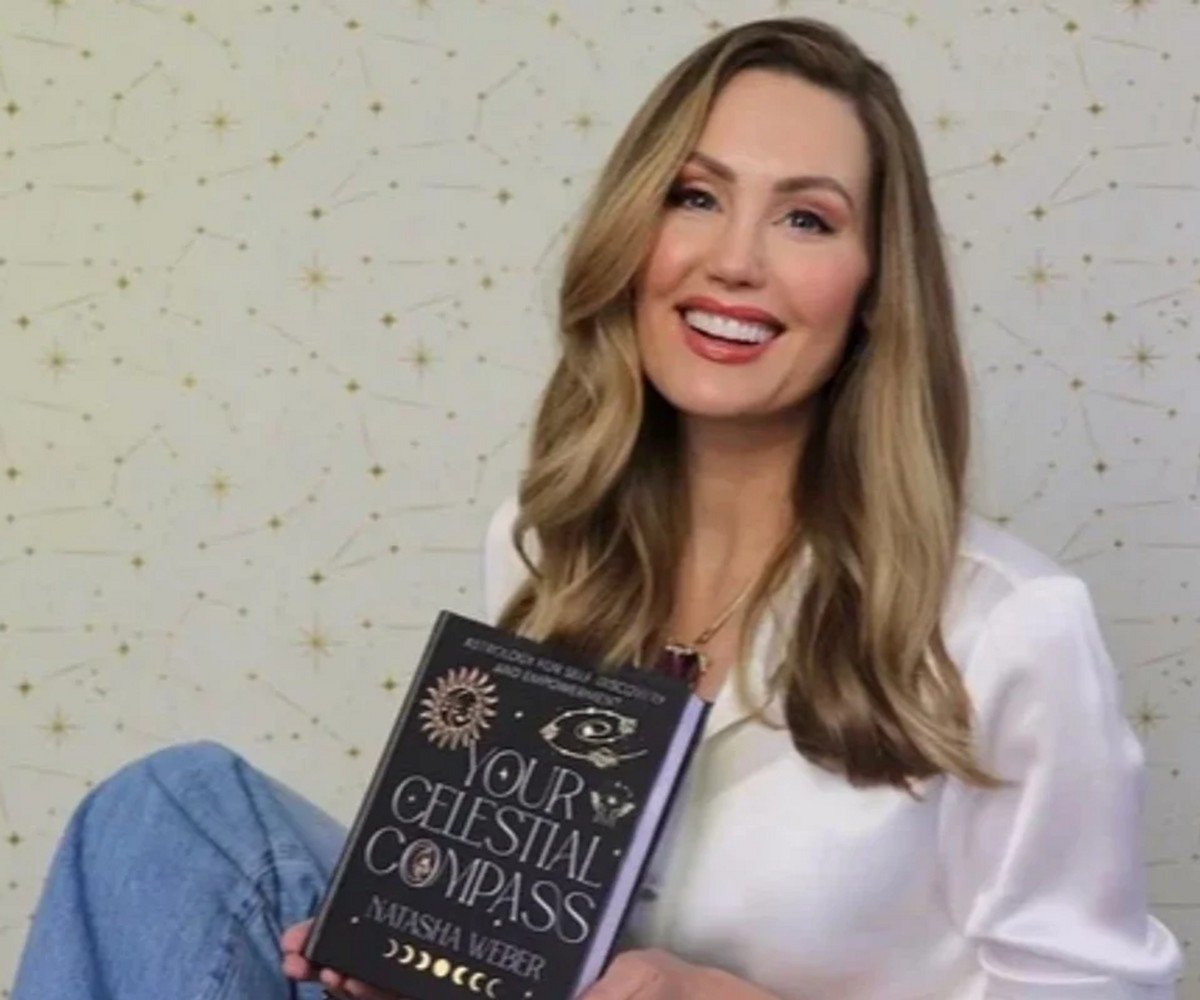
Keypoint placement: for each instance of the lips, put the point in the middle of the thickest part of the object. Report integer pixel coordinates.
(723, 352)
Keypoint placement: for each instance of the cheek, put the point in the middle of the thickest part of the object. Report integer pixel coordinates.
(666, 263)
(823, 293)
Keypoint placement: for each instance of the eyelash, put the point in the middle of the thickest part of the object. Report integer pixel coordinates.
(680, 192)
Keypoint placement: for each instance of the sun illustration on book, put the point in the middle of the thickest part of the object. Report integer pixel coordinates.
(457, 707)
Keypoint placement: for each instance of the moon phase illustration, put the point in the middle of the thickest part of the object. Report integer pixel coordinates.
(472, 985)
(491, 985)
(408, 955)
(423, 960)
(457, 974)
(394, 945)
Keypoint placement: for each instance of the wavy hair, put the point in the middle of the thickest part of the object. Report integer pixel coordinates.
(869, 689)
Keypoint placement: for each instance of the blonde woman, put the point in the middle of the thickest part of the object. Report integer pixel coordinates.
(748, 467)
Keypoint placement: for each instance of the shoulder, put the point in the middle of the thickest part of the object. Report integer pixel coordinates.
(994, 566)
(503, 570)
(1018, 624)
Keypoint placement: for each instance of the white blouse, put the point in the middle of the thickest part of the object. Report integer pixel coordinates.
(787, 876)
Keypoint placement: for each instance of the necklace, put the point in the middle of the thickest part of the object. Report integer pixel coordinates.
(685, 661)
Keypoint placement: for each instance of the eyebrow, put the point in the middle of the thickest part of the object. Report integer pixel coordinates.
(785, 185)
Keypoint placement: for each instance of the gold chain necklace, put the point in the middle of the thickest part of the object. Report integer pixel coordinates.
(685, 660)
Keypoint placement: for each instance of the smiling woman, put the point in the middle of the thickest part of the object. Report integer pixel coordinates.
(788, 253)
(748, 467)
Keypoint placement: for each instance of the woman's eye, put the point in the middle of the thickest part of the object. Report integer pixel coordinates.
(822, 225)
(688, 197)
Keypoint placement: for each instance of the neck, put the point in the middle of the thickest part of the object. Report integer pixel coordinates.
(740, 483)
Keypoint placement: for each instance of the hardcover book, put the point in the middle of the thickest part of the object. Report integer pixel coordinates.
(508, 822)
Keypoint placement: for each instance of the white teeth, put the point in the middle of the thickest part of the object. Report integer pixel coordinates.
(727, 328)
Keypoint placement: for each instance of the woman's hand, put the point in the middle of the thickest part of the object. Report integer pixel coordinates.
(296, 966)
(650, 974)
(654, 974)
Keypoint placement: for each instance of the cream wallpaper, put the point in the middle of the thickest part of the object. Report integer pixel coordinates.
(276, 286)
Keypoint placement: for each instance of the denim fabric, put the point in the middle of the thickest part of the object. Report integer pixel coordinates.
(174, 879)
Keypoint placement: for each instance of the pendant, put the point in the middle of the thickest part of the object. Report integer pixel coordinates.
(685, 663)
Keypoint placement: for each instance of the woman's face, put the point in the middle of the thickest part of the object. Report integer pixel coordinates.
(766, 219)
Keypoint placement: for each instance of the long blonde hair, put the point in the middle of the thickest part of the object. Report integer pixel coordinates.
(869, 688)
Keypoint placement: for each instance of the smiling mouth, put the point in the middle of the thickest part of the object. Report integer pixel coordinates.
(727, 329)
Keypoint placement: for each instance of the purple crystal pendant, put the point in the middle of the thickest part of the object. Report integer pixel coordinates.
(685, 663)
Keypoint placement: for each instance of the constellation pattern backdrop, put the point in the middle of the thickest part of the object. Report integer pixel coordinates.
(276, 298)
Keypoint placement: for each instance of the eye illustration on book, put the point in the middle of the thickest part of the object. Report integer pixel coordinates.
(611, 801)
(458, 707)
(597, 735)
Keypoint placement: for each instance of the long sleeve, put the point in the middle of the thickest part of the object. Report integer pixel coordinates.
(503, 570)
(1045, 877)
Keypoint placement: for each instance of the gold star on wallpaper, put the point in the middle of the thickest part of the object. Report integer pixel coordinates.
(316, 278)
(219, 486)
(59, 727)
(220, 121)
(1143, 357)
(57, 361)
(421, 358)
(317, 642)
(1147, 717)
(583, 122)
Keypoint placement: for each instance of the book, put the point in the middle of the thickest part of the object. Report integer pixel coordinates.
(508, 822)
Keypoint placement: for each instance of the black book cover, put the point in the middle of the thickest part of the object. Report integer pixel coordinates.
(508, 822)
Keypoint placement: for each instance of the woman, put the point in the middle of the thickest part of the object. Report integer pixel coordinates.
(916, 780)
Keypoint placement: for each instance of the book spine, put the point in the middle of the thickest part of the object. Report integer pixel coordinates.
(313, 942)
(600, 951)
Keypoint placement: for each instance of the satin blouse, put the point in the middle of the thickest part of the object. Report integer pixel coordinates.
(787, 876)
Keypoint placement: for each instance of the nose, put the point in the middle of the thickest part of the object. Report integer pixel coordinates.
(736, 255)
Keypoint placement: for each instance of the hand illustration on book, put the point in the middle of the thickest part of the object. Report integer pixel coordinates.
(497, 850)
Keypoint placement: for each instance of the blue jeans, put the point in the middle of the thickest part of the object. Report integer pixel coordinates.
(174, 879)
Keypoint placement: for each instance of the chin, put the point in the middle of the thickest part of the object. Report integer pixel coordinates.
(690, 401)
